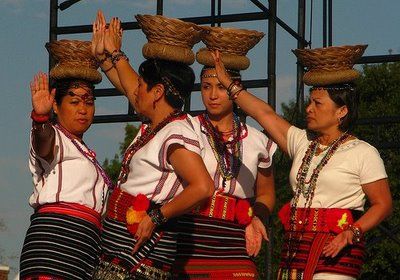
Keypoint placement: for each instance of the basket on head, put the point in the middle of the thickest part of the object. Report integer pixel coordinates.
(331, 65)
(74, 59)
(169, 38)
(232, 43)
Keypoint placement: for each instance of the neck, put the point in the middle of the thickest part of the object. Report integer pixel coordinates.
(222, 123)
(160, 114)
(326, 138)
(70, 134)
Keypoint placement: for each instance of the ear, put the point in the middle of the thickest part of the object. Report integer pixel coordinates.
(55, 107)
(158, 91)
(342, 112)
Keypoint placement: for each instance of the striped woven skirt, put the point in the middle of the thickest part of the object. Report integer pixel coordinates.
(211, 248)
(60, 246)
(152, 261)
(304, 259)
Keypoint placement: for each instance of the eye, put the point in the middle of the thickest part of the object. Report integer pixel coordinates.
(205, 86)
(89, 102)
(75, 101)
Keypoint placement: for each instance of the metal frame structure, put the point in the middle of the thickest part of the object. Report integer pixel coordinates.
(216, 18)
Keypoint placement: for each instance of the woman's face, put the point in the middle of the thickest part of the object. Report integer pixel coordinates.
(214, 96)
(322, 114)
(76, 111)
(143, 101)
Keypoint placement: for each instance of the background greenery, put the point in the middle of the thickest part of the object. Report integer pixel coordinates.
(379, 88)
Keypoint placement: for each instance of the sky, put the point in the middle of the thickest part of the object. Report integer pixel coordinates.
(24, 31)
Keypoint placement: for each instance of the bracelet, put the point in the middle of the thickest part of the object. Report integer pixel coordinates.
(157, 217)
(357, 232)
(116, 57)
(234, 95)
(105, 71)
(38, 118)
(261, 211)
(101, 61)
(229, 88)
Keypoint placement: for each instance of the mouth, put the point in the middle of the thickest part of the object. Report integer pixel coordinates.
(82, 121)
(213, 105)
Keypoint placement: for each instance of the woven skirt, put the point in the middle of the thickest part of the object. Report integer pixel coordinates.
(59, 246)
(153, 260)
(211, 248)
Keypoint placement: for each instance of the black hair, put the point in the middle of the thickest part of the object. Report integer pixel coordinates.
(63, 85)
(176, 77)
(345, 95)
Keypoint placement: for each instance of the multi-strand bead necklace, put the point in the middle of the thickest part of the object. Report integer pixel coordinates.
(142, 140)
(308, 192)
(228, 161)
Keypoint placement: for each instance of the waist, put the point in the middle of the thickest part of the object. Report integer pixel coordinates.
(317, 219)
(122, 205)
(72, 209)
(226, 207)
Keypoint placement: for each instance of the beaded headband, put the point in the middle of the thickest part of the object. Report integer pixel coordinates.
(235, 75)
(348, 87)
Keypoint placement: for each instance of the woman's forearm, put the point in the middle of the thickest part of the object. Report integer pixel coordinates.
(374, 216)
(43, 140)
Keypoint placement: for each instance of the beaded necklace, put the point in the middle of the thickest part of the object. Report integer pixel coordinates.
(142, 140)
(91, 156)
(228, 162)
(308, 192)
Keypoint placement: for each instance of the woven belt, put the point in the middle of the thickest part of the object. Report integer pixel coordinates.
(317, 219)
(224, 207)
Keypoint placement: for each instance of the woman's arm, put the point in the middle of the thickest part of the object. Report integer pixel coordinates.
(265, 198)
(190, 167)
(274, 125)
(42, 103)
(379, 196)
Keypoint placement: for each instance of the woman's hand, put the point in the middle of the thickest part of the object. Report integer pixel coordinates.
(144, 232)
(255, 232)
(220, 70)
(42, 98)
(338, 243)
(113, 36)
(99, 27)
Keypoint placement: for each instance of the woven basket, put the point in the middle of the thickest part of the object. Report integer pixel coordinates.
(74, 60)
(169, 38)
(331, 65)
(232, 43)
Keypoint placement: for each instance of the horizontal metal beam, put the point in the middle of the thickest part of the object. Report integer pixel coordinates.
(379, 58)
(198, 20)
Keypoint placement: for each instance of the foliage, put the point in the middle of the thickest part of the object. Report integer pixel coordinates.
(113, 166)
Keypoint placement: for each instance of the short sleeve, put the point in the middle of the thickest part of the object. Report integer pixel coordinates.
(265, 160)
(37, 162)
(183, 135)
(372, 167)
(296, 138)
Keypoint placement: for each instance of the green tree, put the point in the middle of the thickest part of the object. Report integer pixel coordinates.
(113, 166)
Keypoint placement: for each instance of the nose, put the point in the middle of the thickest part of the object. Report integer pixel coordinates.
(82, 108)
(214, 93)
(308, 108)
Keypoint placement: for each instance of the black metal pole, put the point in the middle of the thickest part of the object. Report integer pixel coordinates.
(219, 8)
(160, 6)
(53, 26)
(330, 25)
(212, 13)
(301, 30)
(324, 20)
(272, 53)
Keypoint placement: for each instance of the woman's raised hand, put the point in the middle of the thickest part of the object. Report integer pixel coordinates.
(113, 36)
(99, 27)
(220, 70)
(42, 98)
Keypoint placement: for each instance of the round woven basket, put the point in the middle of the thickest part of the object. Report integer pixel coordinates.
(74, 59)
(169, 38)
(331, 65)
(232, 43)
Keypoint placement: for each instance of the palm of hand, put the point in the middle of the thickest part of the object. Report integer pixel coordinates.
(42, 102)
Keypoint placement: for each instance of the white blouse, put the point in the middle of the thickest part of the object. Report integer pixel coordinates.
(353, 164)
(70, 177)
(256, 151)
(150, 172)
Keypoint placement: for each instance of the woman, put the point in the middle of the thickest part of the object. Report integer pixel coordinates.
(332, 175)
(63, 239)
(218, 238)
(162, 175)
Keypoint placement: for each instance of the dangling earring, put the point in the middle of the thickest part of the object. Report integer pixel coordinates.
(154, 105)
